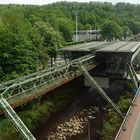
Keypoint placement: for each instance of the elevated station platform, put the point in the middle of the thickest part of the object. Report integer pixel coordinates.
(76, 51)
(114, 58)
(121, 46)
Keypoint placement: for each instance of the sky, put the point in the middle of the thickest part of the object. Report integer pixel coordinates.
(41, 2)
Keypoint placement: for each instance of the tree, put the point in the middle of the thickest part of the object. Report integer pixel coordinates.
(87, 27)
(111, 30)
(134, 26)
(126, 32)
(52, 17)
(66, 28)
(40, 51)
(17, 55)
(51, 39)
(19, 30)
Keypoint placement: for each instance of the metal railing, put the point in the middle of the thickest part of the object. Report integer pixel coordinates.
(44, 77)
(23, 86)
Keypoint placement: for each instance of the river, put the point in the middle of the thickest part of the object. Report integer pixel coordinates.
(72, 122)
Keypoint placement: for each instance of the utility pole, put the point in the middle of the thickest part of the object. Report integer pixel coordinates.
(76, 26)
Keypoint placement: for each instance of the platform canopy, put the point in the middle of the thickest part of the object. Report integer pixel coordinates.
(116, 57)
(87, 47)
(121, 46)
(79, 50)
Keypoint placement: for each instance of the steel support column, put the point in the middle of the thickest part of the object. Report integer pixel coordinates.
(14, 118)
(133, 75)
(100, 90)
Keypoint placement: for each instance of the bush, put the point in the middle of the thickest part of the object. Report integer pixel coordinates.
(36, 113)
(113, 121)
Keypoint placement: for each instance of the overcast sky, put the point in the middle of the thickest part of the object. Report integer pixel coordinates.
(40, 2)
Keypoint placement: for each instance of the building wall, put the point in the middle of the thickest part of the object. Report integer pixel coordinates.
(84, 37)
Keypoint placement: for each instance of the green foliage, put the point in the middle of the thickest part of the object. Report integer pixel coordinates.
(133, 25)
(66, 28)
(25, 47)
(111, 30)
(30, 35)
(51, 39)
(36, 113)
(87, 27)
(17, 55)
(113, 121)
(109, 127)
(35, 33)
(126, 32)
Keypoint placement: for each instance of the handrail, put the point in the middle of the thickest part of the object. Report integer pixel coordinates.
(39, 72)
(44, 76)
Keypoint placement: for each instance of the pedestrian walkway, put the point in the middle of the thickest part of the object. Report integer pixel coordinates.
(136, 130)
(131, 127)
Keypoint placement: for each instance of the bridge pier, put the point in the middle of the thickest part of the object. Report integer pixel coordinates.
(102, 81)
(95, 85)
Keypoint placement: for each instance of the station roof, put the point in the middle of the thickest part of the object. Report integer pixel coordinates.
(86, 46)
(121, 46)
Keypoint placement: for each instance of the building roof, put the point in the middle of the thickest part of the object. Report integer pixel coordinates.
(86, 46)
(121, 46)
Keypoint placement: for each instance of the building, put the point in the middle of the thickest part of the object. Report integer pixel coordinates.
(84, 35)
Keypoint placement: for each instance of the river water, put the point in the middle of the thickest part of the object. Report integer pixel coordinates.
(63, 124)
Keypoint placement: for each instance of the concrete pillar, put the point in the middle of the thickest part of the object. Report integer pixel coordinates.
(91, 123)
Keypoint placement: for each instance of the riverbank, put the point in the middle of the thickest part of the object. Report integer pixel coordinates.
(89, 100)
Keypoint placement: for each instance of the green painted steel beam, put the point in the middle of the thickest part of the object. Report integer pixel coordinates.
(15, 120)
(43, 77)
(133, 75)
(100, 90)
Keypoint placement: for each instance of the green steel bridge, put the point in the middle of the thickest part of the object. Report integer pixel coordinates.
(22, 90)
(19, 91)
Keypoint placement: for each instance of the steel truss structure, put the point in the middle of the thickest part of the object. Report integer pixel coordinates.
(31, 84)
(100, 90)
(36, 80)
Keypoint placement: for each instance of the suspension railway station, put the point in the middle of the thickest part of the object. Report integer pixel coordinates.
(76, 51)
(110, 60)
(115, 58)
